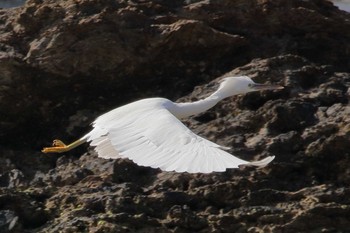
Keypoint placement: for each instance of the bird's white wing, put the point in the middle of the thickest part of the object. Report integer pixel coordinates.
(158, 139)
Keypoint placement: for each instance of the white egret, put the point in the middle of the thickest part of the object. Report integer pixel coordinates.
(150, 133)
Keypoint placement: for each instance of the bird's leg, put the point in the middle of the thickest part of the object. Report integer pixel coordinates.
(58, 146)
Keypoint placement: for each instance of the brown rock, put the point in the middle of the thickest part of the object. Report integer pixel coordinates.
(62, 63)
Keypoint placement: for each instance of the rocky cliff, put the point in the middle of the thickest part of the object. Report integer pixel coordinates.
(62, 63)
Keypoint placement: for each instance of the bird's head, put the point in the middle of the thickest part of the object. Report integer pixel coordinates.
(242, 84)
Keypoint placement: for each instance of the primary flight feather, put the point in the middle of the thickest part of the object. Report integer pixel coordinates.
(150, 133)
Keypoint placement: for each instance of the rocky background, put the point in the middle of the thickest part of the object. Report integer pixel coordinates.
(64, 62)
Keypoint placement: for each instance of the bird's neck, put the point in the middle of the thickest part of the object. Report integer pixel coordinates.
(189, 109)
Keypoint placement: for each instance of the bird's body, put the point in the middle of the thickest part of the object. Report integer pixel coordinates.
(150, 133)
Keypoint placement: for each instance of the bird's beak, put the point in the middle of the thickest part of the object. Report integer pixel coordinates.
(259, 87)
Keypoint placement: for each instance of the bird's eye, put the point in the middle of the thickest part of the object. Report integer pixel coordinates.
(250, 85)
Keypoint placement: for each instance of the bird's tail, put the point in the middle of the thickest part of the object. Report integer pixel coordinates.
(262, 163)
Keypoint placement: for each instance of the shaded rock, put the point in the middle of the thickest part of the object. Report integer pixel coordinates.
(227, 223)
(322, 218)
(293, 115)
(288, 143)
(11, 179)
(183, 217)
(224, 195)
(127, 171)
(8, 220)
(27, 210)
(264, 197)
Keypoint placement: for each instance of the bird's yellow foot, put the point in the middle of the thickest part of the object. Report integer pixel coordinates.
(57, 147)
(58, 143)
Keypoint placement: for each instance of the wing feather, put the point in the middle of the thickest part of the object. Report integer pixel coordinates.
(167, 163)
(105, 149)
(156, 138)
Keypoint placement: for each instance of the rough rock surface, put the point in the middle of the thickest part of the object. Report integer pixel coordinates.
(62, 63)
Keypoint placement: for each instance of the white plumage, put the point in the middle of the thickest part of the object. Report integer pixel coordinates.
(150, 133)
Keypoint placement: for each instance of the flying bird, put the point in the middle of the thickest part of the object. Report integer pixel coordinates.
(150, 133)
